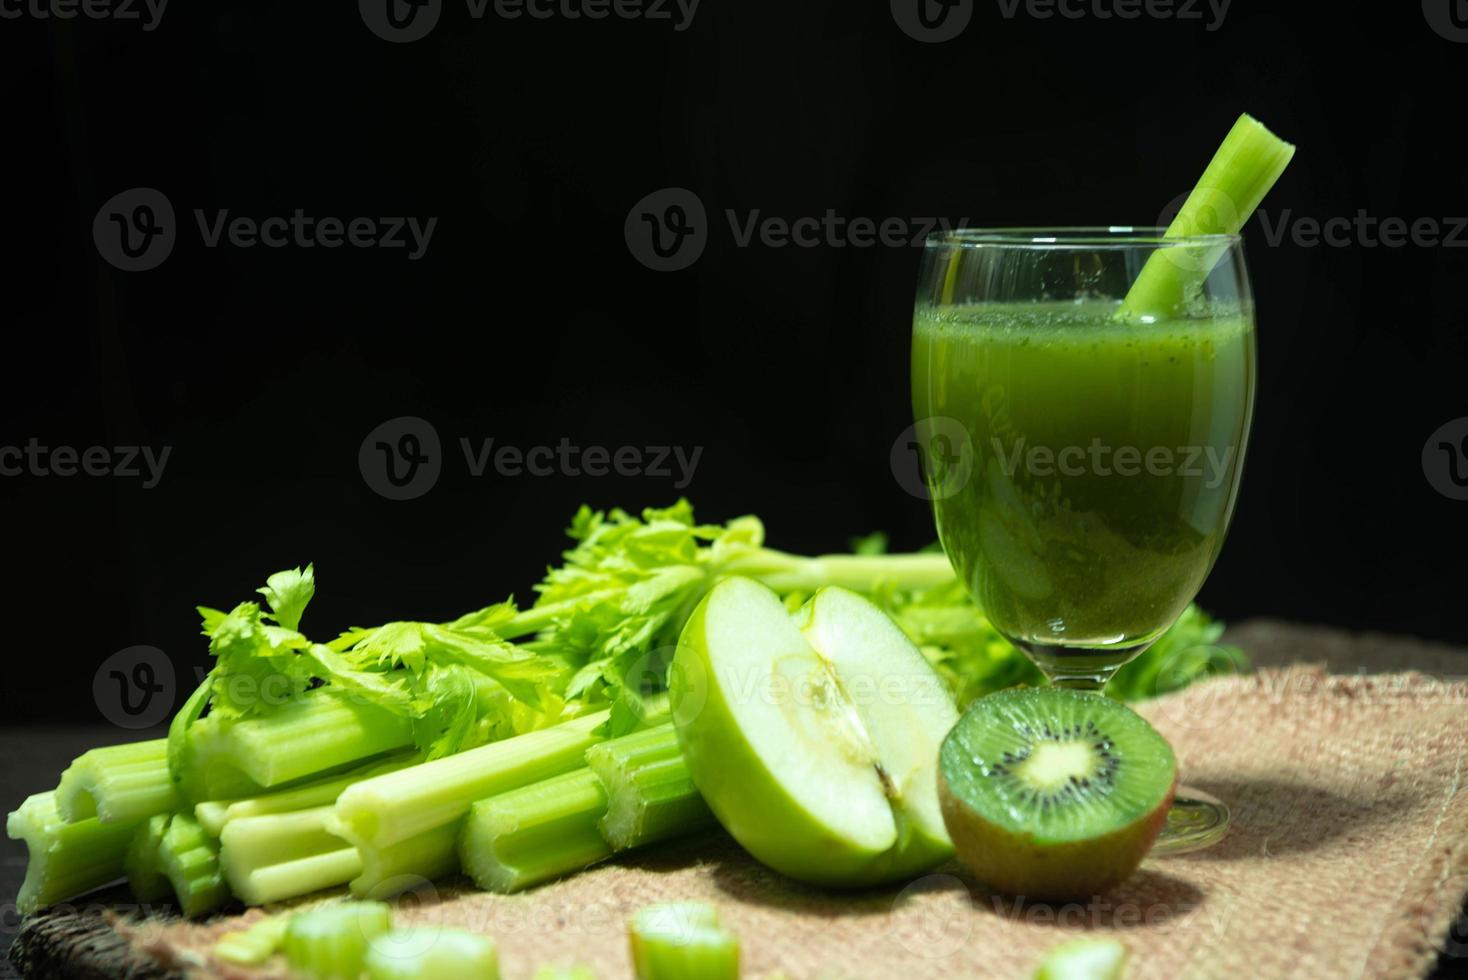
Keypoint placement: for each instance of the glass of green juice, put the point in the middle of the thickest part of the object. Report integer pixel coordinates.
(1083, 448)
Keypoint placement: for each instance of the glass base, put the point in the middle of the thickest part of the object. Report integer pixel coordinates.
(1195, 821)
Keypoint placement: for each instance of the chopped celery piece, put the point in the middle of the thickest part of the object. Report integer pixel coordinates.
(386, 810)
(1243, 170)
(65, 859)
(255, 945)
(118, 783)
(650, 793)
(535, 833)
(213, 815)
(144, 876)
(432, 953)
(682, 941)
(1084, 959)
(276, 856)
(564, 973)
(332, 941)
(316, 734)
(189, 858)
(407, 864)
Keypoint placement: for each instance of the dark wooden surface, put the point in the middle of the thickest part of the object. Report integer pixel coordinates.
(74, 941)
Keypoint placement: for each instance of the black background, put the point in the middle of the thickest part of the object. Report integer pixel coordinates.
(528, 319)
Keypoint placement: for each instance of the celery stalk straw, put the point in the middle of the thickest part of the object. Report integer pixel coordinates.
(1239, 175)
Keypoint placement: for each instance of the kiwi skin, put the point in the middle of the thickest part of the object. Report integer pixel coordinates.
(1018, 865)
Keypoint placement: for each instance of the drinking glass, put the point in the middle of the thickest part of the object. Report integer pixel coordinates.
(1083, 450)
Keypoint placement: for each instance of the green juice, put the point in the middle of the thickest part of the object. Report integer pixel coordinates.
(1083, 470)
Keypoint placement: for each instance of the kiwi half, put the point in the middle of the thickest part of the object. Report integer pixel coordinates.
(1053, 793)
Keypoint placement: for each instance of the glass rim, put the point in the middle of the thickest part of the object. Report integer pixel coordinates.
(1077, 237)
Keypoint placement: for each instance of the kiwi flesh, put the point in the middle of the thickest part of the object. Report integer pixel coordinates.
(1052, 793)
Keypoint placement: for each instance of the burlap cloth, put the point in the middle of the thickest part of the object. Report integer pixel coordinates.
(1348, 857)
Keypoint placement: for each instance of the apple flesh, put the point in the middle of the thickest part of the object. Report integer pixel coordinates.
(813, 737)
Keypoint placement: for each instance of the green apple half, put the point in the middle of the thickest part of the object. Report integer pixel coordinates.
(814, 736)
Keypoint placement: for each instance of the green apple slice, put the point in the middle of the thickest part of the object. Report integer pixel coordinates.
(814, 737)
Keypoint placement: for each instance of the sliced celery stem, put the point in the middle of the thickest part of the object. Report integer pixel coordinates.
(1243, 170)
(529, 835)
(254, 945)
(432, 953)
(144, 876)
(189, 858)
(681, 940)
(650, 793)
(65, 859)
(118, 783)
(273, 857)
(332, 940)
(214, 815)
(386, 810)
(316, 734)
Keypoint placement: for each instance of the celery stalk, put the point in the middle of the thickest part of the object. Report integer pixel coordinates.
(1243, 170)
(255, 945)
(276, 856)
(535, 833)
(408, 863)
(118, 783)
(650, 794)
(214, 815)
(332, 941)
(189, 858)
(682, 941)
(144, 876)
(316, 735)
(386, 810)
(432, 953)
(65, 859)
